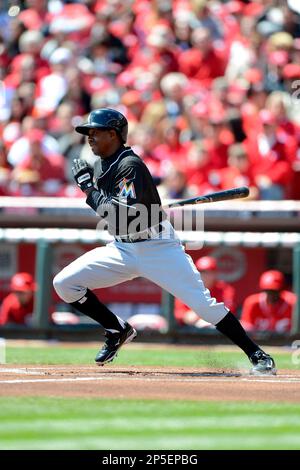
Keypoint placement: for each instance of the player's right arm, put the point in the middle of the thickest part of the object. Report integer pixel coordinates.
(84, 177)
(127, 189)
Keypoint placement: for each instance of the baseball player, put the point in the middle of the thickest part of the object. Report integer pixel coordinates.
(17, 307)
(121, 190)
(272, 308)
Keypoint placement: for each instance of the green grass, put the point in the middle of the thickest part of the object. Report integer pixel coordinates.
(60, 423)
(77, 423)
(179, 357)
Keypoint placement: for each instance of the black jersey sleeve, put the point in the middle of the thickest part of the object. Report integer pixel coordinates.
(127, 189)
(96, 199)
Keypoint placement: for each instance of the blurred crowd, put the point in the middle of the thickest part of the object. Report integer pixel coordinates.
(211, 90)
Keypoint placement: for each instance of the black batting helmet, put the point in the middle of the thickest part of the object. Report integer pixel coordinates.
(105, 118)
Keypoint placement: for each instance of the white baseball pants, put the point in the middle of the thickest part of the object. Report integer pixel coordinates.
(161, 260)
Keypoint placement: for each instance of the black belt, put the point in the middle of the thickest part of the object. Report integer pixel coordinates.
(147, 234)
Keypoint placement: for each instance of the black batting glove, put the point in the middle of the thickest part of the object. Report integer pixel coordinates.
(83, 174)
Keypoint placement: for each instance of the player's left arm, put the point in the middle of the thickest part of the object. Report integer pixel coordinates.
(127, 191)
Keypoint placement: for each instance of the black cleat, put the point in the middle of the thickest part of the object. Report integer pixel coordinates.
(113, 343)
(263, 364)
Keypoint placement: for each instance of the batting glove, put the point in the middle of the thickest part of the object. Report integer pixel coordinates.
(83, 174)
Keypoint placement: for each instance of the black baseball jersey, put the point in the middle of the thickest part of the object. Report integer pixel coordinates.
(125, 194)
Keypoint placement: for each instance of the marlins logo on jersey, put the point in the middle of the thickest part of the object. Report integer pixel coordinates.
(127, 189)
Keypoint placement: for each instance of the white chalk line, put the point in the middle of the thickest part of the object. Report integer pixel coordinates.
(73, 379)
(156, 377)
(23, 371)
(277, 380)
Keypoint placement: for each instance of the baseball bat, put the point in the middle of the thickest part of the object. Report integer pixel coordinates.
(228, 194)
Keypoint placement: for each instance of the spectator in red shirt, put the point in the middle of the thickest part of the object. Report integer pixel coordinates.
(200, 167)
(219, 289)
(36, 15)
(238, 172)
(220, 133)
(276, 104)
(271, 309)
(271, 159)
(49, 169)
(202, 62)
(159, 51)
(172, 150)
(143, 140)
(17, 307)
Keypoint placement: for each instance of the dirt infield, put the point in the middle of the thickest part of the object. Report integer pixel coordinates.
(147, 382)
